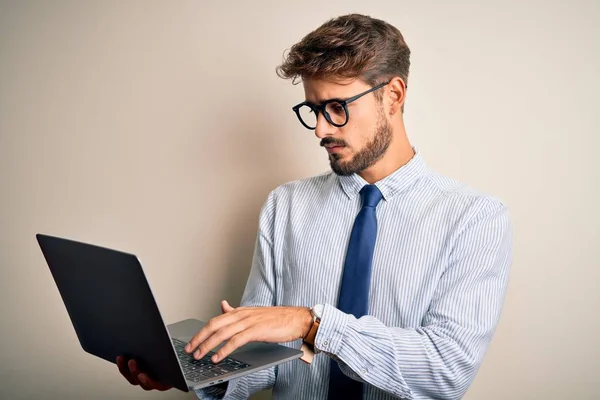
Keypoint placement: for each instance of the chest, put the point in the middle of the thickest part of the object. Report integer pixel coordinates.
(409, 257)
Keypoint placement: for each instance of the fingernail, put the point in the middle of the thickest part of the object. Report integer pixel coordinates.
(197, 354)
(214, 358)
(188, 347)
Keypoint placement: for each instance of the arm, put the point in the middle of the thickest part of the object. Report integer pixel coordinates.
(259, 291)
(440, 358)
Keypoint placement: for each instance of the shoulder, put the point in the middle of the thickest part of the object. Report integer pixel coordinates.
(302, 189)
(297, 193)
(466, 205)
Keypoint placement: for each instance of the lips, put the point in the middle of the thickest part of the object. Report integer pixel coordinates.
(334, 149)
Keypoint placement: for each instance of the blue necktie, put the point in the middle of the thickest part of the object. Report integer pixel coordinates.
(354, 292)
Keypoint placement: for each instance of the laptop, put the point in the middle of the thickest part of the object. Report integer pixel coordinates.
(113, 311)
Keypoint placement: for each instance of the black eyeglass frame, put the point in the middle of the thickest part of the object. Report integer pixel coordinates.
(316, 108)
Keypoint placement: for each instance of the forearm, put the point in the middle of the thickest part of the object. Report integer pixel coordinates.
(408, 363)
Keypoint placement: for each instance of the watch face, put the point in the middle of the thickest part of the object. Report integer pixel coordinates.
(317, 311)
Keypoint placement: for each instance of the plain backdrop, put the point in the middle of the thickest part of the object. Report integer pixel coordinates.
(159, 127)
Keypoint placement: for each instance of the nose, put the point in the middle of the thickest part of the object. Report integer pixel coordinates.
(323, 128)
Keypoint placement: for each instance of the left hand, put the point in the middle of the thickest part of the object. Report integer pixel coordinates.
(242, 325)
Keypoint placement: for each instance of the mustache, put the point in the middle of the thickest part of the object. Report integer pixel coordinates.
(332, 141)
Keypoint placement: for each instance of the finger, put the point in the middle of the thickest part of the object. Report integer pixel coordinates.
(134, 371)
(135, 375)
(210, 328)
(145, 381)
(151, 384)
(225, 307)
(221, 336)
(124, 369)
(143, 385)
(238, 340)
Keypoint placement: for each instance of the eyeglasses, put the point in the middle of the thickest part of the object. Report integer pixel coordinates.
(335, 110)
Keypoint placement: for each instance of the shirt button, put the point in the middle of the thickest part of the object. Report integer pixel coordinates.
(325, 343)
(363, 371)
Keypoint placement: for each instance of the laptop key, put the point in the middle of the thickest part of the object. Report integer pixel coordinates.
(194, 377)
(225, 368)
(220, 370)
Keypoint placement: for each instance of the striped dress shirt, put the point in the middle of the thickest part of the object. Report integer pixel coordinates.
(440, 271)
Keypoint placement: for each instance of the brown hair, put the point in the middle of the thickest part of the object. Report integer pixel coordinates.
(350, 46)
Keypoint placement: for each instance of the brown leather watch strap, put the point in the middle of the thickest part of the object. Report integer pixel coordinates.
(312, 333)
(308, 345)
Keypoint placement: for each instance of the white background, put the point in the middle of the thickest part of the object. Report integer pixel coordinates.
(159, 127)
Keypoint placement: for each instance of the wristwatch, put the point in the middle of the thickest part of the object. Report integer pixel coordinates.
(316, 311)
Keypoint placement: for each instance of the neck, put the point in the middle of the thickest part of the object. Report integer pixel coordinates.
(399, 153)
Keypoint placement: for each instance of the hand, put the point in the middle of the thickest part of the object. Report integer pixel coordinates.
(242, 325)
(129, 369)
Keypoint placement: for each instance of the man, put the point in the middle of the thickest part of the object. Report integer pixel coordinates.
(393, 274)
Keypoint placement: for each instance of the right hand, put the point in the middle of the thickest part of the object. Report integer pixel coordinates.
(130, 370)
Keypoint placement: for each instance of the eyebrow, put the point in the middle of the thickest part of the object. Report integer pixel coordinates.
(326, 100)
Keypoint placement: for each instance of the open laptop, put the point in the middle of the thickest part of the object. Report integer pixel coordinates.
(114, 312)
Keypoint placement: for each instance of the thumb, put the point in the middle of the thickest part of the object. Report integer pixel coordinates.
(226, 307)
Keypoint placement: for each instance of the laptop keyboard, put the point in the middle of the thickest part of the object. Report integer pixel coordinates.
(197, 370)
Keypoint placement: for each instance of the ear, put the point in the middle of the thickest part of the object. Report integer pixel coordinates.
(397, 95)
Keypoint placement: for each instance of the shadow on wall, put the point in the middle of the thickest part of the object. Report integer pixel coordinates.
(251, 158)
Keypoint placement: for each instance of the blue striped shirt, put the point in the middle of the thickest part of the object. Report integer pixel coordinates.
(440, 272)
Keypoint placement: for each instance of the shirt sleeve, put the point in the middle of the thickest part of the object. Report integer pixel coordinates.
(438, 359)
(260, 291)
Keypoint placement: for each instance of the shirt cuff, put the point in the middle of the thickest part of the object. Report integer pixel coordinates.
(331, 330)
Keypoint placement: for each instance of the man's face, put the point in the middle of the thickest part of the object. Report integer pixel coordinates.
(364, 139)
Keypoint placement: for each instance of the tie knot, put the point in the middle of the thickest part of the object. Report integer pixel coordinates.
(371, 196)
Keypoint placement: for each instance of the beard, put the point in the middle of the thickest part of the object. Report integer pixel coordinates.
(368, 155)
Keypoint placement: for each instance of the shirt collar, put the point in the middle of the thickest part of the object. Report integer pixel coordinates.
(391, 185)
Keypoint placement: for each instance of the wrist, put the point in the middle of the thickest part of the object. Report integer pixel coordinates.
(307, 321)
(315, 313)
